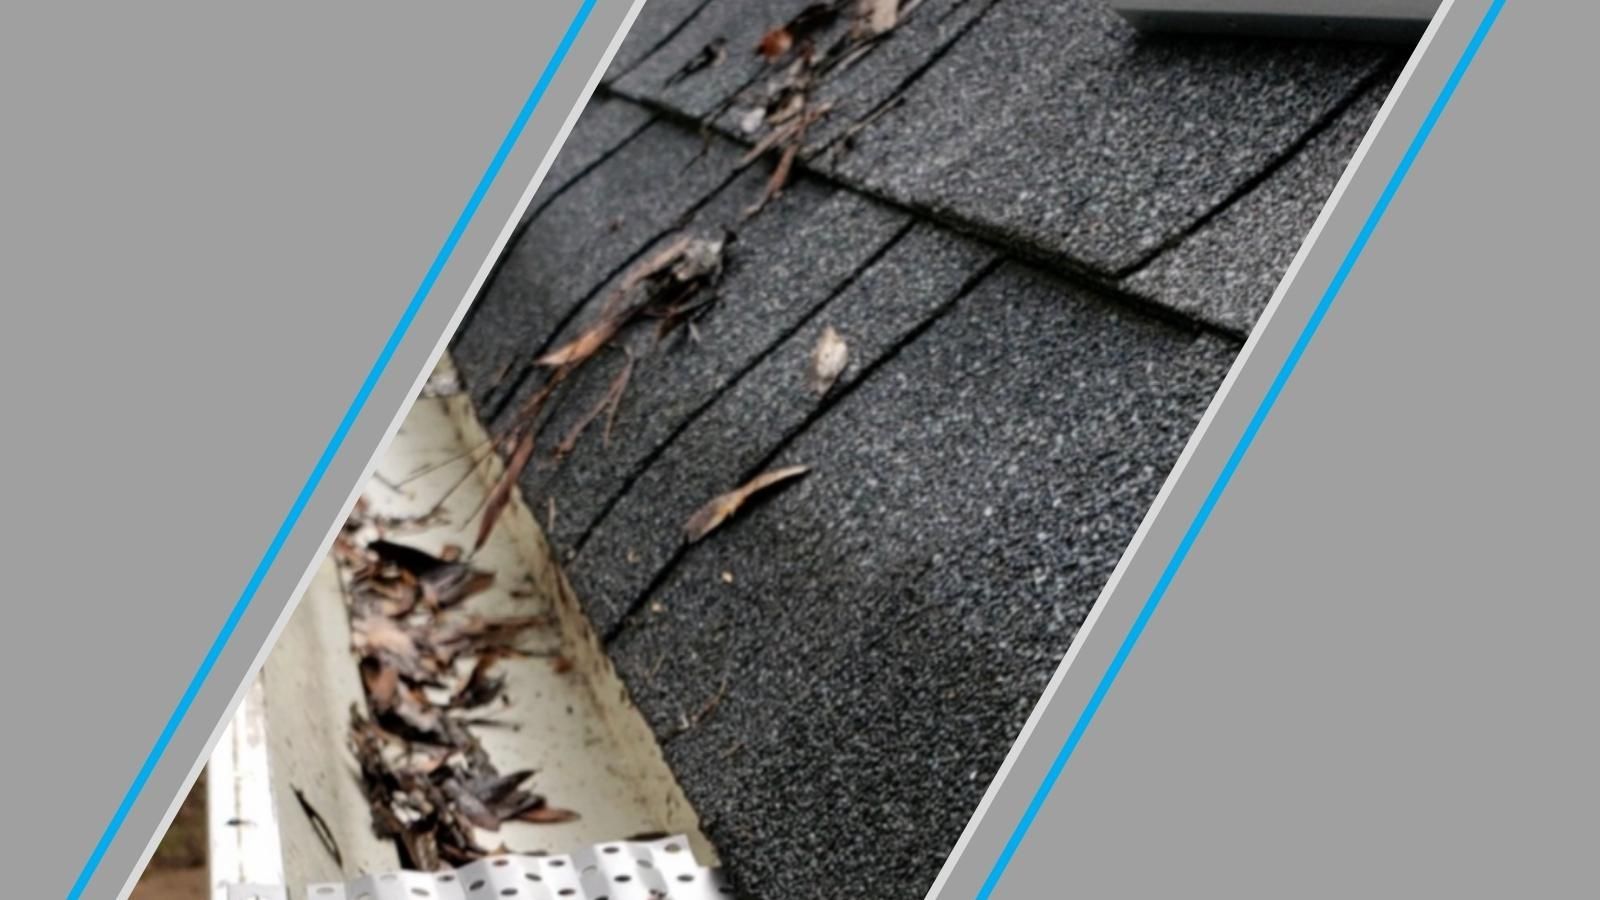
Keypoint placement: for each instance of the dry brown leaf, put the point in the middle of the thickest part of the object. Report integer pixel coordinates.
(454, 584)
(775, 43)
(391, 597)
(777, 181)
(774, 137)
(713, 514)
(382, 683)
(548, 815)
(442, 582)
(403, 710)
(381, 634)
(482, 687)
(583, 346)
(878, 16)
(655, 263)
(701, 260)
(828, 360)
(791, 137)
(470, 807)
(454, 635)
(778, 41)
(672, 273)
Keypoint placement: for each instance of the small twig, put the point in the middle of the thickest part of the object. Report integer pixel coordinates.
(704, 713)
(320, 827)
(618, 388)
(650, 676)
(438, 505)
(451, 459)
(607, 404)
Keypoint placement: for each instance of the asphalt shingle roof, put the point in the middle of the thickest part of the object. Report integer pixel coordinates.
(1043, 241)
(1225, 272)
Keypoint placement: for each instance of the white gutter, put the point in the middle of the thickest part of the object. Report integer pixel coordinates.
(286, 808)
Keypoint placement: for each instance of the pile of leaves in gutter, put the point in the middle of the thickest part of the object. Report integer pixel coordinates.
(428, 669)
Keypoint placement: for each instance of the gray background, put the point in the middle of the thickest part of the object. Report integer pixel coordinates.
(212, 218)
(1374, 674)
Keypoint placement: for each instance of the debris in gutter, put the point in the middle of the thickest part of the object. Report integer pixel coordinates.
(427, 662)
(500, 495)
(828, 360)
(709, 517)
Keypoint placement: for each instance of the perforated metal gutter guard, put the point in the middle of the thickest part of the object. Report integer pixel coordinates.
(653, 870)
(284, 789)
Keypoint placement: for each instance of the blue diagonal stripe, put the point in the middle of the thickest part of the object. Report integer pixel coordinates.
(1239, 450)
(332, 449)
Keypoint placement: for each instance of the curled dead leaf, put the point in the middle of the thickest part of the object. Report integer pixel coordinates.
(709, 517)
(780, 40)
(751, 120)
(828, 360)
(655, 263)
(775, 43)
(581, 347)
(483, 686)
(878, 16)
(687, 262)
(375, 634)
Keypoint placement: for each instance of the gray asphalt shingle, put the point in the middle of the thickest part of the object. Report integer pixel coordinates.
(657, 22)
(1055, 127)
(739, 24)
(1226, 272)
(604, 125)
(592, 231)
(744, 79)
(1052, 125)
(893, 616)
(638, 538)
(783, 266)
